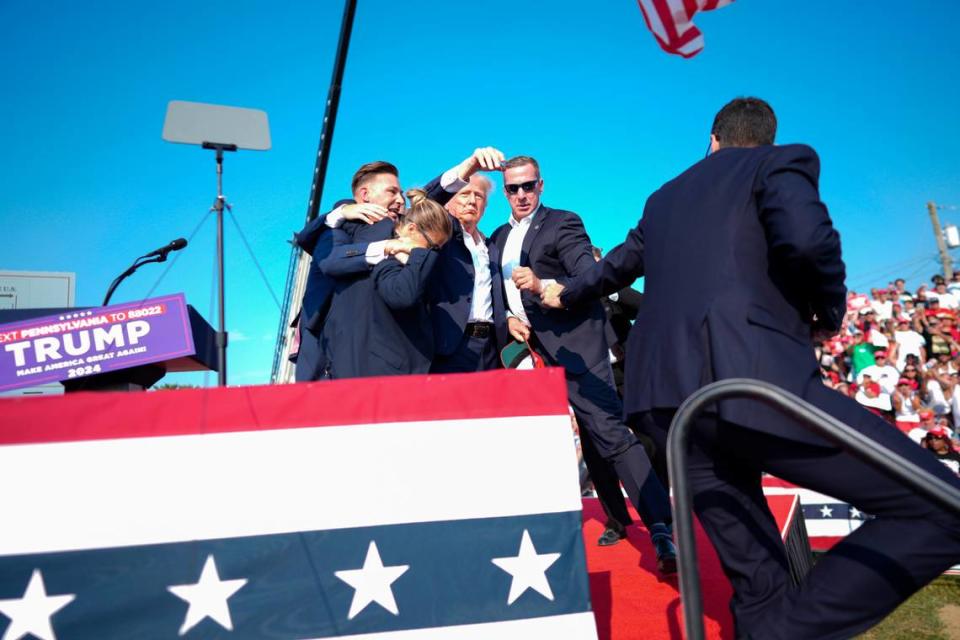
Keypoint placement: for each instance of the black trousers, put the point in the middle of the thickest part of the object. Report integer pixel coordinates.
(598, 409)
(910, 541)
(606, 482)
(471, 355)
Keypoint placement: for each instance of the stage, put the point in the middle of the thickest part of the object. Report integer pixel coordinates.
(631, 599)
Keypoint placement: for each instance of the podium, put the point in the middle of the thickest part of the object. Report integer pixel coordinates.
(123, 347)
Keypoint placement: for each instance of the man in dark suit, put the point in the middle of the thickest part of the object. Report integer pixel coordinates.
(743, 234)
(379, 322)
(377, 197)
(540, 242)
(466, 294)
(621, 308)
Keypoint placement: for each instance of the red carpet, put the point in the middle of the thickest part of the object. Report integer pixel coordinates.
(631, 600)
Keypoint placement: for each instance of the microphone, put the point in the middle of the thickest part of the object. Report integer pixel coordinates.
(175, 245)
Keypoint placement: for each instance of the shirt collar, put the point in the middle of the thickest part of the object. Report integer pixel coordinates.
(514, 223)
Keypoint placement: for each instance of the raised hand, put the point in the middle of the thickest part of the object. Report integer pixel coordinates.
(364, 212)
(399, 248)
(482, 159)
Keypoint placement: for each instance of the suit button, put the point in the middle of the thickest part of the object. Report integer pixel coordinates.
(469, 298)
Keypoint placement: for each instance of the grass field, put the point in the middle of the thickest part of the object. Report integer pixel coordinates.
(933, 613)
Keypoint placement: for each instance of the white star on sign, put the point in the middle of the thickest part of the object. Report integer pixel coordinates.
(372, 583)
(529, 570)
(31, 613)
(208, 597)
(826, 511)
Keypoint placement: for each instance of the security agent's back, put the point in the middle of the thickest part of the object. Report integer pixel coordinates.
(731, 294)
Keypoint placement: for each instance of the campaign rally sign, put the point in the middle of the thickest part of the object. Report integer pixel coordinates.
(90, 341)
(404, 507)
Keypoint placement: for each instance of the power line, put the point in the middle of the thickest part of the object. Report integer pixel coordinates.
(888, 270)
(869, 273)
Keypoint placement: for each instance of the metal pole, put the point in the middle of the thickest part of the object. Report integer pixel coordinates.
(941, 243)
(330, 115)
(222, 330)
(813, 418)
(319, 170)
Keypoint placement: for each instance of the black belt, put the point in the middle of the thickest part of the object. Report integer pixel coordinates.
(479, 329)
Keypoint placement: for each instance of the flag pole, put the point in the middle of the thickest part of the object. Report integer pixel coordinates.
(319, 172)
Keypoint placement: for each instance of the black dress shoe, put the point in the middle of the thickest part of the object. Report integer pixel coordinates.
(611, 537)
(666, 555)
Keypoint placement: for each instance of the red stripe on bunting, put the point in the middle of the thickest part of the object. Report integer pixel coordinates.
(99, 416)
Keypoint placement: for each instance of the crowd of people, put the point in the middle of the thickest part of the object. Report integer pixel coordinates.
(898, 355)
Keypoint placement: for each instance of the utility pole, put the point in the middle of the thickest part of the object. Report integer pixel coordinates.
(941, 242)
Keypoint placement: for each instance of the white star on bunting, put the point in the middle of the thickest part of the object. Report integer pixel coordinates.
(30, 615)
(826, 511)
(208, 597)
(529, 570)
(372, 583)
(854, 512)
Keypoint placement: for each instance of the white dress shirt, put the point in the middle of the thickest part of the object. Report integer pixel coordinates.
(511, 260)
(481, 305)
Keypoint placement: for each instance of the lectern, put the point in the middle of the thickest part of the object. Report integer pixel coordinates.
(122, 347)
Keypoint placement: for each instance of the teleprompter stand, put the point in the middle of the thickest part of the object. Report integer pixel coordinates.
(221, 129)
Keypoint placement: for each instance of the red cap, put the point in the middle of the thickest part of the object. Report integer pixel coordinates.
(938, 432)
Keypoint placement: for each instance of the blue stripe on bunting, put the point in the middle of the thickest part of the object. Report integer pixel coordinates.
(833, 511)
(292, 591)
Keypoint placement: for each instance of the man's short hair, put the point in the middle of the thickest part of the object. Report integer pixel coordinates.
(745, 122)
(519, 161)
(369, 171)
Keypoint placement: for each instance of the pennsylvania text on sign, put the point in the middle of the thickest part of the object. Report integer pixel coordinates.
(91, 341)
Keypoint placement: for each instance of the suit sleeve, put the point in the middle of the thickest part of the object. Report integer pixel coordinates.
(344, 258)
(574, 247)
(630, 300)
(402, 286)
(618, 269)
(799, 232)
(437, 193)
(314, 233)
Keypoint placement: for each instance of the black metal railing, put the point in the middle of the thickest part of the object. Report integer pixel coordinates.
(811, 417)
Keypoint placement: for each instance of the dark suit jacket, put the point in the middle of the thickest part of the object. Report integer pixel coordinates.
(327, 246)
(739, 255)
(316, 240)
(379, 324)
(557, 246)
(620, 316)
(451, 289)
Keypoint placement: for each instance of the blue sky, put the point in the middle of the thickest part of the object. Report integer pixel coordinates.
(88, 184)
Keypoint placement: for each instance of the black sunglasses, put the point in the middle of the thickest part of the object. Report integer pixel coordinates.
(527, 187)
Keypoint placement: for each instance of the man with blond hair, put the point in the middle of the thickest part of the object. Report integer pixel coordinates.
(467, 307)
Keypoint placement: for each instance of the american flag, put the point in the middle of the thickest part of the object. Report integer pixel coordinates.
(828, 520)
(671, 22)
(416, 507)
